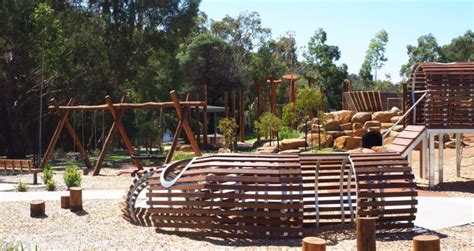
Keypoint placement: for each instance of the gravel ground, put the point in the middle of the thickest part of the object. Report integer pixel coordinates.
(101, 227)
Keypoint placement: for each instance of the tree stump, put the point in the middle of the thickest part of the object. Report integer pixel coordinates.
(314, 244)
(65, 201)
(365, 233)
(75, 199)
(37, 208)
(426, 242)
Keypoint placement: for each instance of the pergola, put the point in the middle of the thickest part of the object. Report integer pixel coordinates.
(117, 110)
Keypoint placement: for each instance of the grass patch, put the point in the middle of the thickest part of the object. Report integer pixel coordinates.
(183, 155)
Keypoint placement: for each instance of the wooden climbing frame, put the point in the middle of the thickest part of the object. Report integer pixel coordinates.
(117, 110)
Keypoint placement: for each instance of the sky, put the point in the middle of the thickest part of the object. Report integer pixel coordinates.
(351, 24)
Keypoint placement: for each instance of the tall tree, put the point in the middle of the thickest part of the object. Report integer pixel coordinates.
(320, 63)
(461, 49)
(426, 50)
(374, 56)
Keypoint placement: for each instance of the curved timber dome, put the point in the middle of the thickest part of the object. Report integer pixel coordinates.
(450, 99)
(273, 195)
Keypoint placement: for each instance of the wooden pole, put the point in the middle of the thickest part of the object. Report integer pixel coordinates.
(57, 133)
(314, 244)
(258, 107)
(234, 105)
(65, 201)
(242, 117)
(365, 233)
(273, 96)
(37, 208)
(205, 117)
(75, 199)
(226, 104)
(426, 243)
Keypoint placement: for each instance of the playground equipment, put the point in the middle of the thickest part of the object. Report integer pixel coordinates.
(440, 97)
(271, 195)
(117, 110)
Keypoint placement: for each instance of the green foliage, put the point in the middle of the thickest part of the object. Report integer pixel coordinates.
(183, 155)
(461, 49)
(308, 99)
(227, 126)
(268, 122)
(320, 64)
(72, 177)
(289, 114)
(288, 133)
(51, 185)
(47, 174)
(22, 187)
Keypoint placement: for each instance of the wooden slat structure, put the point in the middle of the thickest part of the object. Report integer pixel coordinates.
(407, 140)
(450, 99)
(364, 101)
(273, 196)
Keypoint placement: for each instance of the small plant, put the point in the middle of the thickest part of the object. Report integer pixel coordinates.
(47, 174)
(22, 187)
(183, 155)
(269, 123)
(72, 178)
(51, 185)
(288, 133)
(227, 127)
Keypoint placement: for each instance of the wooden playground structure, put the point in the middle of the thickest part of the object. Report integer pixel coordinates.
(117, 110)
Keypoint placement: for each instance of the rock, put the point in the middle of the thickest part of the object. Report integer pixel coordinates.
(347, 142)
(395, 119)
(446, 137)
(268, 149)
(326, 140)
(374, 129)
(397, 128)
(386, 125)
(361, 117)
(388, 140)
(288, 144)
(356, 126)
(346, 126)
(359, 132)
(315, 127)
(358, 150)
(332, 125)
(315, 121)
(372, 123)
(223, 150)
(291, 151)
(348, 132)
(336, 134)
(395, 109)
(384, 117)
(343, 116)
(244, 146)
(450, 144)
(367, 150)
(393, 134)
(378, 148)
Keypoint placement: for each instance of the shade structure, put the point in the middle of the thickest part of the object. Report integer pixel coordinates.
(273, 195)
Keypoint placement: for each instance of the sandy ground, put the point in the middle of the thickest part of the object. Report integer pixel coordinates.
(101, 227)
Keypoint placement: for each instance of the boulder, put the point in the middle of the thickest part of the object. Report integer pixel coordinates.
(393, 134)
(346, 126)
(326, 140)
(450, 144)
(384, 117)
(356, 126)
(288, 144)
(395, 119)
(291, 151)
(395, 109)
(372, 123)
(348, 143)
(315, 120)
(223, 150)
(446, 137)
(378, 148)
(397, 128)
(367, 150)
(374, 129)
(315, 127)
(388, 140)
(361, 117)
(336, 134)
(343, 116)
(267, 149)
(386, 125)
(185, 148)
(359, 132)
(332, 125)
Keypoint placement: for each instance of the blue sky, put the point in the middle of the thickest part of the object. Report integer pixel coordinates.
(351, 24)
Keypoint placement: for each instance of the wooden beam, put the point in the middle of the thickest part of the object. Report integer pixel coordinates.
(147, 105)
(242, 117)
(57, 132)
(174, 144)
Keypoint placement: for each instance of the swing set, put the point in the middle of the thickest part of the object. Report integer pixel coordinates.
(116, 110)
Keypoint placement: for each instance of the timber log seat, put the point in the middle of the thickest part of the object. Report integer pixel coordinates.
(15, 166)
(273, 195)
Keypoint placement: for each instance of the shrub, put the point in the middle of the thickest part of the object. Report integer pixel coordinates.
(72, 177)
(288, 133)
(47, 174)
(22, 187)
(227, 127)
(51, 185)
(183, 155)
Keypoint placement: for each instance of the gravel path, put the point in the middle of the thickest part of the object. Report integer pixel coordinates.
(101, 227)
